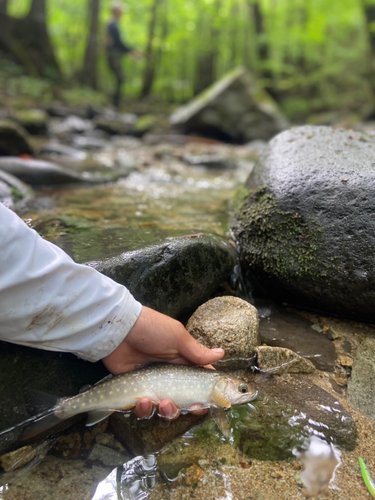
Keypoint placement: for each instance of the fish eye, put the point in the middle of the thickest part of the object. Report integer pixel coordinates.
(243, 388)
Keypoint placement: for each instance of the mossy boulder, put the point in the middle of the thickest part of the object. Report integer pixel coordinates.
(304, 222)
(33, 120)
(173, 277)
(234, 108)
(13, 139)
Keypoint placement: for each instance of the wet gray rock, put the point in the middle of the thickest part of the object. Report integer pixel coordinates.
(69, 125)
(146, 436)
(288, 410)
(227, 322)
(13, 139)
(305, 223)
(282, 328)
(116, 123)
(233, 108)
(361, 385)
(38, 172)
(34, 121)
(211, 161)
(12, 190)
(56, 150)
(277, 360)
(108, 456)
(173, 277)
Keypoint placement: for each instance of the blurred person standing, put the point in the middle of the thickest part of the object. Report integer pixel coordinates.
(116, 48)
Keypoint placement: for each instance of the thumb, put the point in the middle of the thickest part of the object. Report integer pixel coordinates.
(197, 353)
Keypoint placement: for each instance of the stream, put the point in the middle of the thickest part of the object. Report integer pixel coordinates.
(173, 190)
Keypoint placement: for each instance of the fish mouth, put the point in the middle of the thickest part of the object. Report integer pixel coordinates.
(245, 398)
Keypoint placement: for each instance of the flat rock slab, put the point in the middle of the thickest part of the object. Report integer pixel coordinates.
(173, 277)
(277, 360)
(305, 224)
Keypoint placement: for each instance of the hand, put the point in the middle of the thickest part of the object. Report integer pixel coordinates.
(157, 337)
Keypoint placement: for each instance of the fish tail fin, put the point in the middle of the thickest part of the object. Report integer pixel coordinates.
(41, 405)
(39, 402)
(39, 425)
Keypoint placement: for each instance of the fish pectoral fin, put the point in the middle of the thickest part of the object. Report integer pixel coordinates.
(96, 416)
(220, 400)
(219, 415)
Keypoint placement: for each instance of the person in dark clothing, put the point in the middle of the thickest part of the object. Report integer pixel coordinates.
(116, 48)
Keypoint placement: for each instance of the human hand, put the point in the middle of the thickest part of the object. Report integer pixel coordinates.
(157, 337)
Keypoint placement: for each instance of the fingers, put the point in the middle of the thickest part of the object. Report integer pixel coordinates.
(168, 410)
(196, 353)
(143, 408)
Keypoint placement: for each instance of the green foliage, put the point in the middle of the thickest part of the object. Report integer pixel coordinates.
(318, 51)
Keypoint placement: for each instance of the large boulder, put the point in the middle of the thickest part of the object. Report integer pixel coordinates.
(305, 223)
(173, 277)
(234, 108)
(13, 139)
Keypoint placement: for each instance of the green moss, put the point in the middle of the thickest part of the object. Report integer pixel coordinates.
(239, 199)
(280, 240)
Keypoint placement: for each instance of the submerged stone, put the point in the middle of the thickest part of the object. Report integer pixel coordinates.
(287, 411)
(306, 222)
(173, 277)
(233, 108)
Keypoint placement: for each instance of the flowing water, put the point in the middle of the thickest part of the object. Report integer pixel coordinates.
(162, 198)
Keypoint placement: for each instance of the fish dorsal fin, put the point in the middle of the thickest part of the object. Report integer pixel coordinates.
(96, 416)
(219, 415)
(219, 399)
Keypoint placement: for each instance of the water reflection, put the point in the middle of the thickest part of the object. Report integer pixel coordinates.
(132, 481)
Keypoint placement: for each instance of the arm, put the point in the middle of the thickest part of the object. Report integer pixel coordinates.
(47, 301)
(116, 37)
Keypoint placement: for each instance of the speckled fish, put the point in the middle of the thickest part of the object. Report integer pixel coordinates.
(185, 385)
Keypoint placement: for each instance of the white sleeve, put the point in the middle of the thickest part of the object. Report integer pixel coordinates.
(49, 302)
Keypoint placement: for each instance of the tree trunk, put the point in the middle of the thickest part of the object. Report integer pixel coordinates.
(3, 6)
(27, 41)
(89, 70)
(37, 11)
(262, 46)
(369, 11)
(205, 73)
(152, 57)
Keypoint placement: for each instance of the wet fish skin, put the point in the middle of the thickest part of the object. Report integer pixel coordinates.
(185, 385)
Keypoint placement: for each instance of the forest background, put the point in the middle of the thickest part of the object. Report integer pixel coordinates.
(313, 56)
